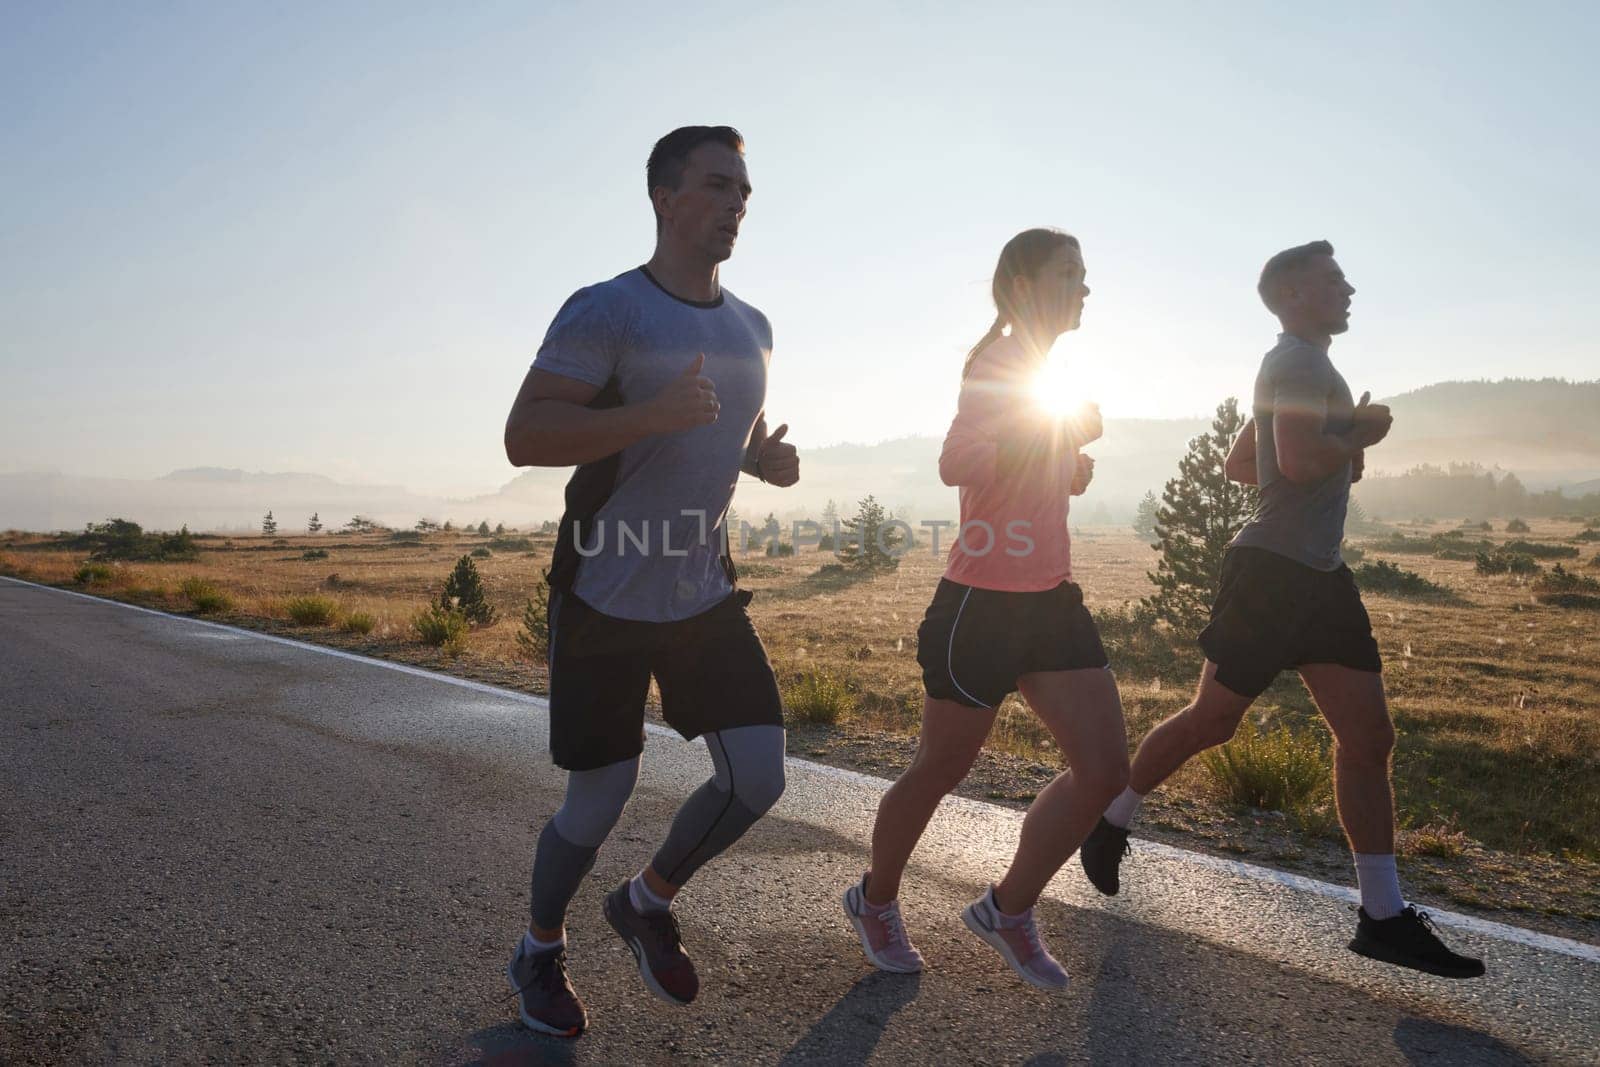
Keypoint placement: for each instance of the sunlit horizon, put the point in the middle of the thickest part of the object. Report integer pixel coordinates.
(330, 243)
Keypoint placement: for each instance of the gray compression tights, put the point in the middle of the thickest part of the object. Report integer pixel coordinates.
(747, 781)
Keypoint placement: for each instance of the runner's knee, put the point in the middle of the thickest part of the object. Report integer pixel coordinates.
(749, 764)
(1209, 727)
(594, 802)
(761, 785)
(1371, 745)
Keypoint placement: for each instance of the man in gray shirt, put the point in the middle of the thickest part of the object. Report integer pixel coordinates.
(653, 385)
(1287, 601)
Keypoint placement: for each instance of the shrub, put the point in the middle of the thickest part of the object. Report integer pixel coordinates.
(1451, 544)
(1351, 553)
(1516, 526)
(94, 574)
(410, 537)
(817, 697)
(534, 637)
(121, 539)
(1563, 589)
(360, 622)
(1587, 535)
(481, 553)
(312, 610)
(463, 592)
(1444, 841)
(441, 628)
(1517, 563)
(778, 548)
(205, 596)
(314, 553)
(1276, 770)
(1541, 551)
(512, 544)
(1385, 577)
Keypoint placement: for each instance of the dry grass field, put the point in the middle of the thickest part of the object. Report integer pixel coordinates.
(1496, 696)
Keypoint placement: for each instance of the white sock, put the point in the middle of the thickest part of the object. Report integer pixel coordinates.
(1122, 810)
(643, 899)
(1380, 885)
(531, 944)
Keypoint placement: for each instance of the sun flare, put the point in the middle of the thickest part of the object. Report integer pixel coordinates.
(1056, 392)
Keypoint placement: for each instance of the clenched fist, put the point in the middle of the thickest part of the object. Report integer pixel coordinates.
(688, 401)
(1372, 422)
(778, 462)
(1083, 474)
(1085, 424)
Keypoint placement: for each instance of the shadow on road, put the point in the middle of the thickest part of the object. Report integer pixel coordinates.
(849, 1032)
(514, 1045)
(1427, 1041)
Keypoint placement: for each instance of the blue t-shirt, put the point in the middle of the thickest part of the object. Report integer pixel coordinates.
(1302, 522)
(653, 551)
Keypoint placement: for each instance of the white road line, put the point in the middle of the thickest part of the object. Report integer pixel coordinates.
(1483, 927)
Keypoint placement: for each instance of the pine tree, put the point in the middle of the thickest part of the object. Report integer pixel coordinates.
(464, 593)
(315, 525)
(499, 528)
(483, 528)
(861, 549)
(534, 637)
(1144, 520)
(1200, 512)
(830, 515)
(269, 525)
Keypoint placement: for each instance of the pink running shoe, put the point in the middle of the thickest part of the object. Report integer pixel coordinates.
(882, 932)
(1016, 938)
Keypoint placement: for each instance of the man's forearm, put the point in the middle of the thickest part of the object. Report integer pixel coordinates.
(554, 433)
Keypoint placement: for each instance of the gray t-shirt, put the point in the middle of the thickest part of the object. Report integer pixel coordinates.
(1302, 522)
(654, 551)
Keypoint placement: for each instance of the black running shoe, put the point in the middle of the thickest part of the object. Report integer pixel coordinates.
(1102, 854)
(657, 946)
(545, 997)
(1408, 940)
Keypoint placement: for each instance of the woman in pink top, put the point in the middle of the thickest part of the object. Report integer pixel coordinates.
(1007, 617)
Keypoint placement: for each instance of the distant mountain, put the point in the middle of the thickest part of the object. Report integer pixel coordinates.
(233, 476)
(1547, 431)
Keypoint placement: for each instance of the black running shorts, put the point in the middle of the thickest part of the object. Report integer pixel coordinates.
(1273, 613)
(711, 668)
(975, 643)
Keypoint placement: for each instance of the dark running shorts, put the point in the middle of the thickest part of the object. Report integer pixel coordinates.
(1273, 613)
(975, 643)
(711, 668)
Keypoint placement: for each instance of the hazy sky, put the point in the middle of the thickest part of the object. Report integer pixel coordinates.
(329, 237)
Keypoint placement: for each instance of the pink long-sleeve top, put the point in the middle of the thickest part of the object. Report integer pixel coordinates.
(1014, 466)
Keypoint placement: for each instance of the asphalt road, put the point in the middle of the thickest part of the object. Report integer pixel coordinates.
(216, 846)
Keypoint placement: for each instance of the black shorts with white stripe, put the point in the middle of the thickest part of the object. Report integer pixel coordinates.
(974, 643)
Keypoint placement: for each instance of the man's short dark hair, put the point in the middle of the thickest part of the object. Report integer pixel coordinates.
(671, 153)
(1284, 263)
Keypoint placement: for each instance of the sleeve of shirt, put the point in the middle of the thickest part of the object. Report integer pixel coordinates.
(583, 341)
(971, 446)
(1300, 386)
